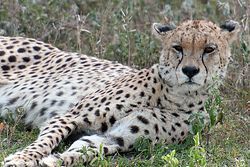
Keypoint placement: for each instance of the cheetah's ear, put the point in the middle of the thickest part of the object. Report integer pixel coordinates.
(230, 30)
(159, 30)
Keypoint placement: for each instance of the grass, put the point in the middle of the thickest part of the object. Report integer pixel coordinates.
(121, 31)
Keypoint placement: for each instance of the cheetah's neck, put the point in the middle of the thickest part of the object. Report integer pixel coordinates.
(166, 96)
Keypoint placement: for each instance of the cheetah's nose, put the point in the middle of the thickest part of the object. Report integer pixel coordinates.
(190, 71)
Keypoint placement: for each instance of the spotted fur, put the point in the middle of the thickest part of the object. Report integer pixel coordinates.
(63, 93)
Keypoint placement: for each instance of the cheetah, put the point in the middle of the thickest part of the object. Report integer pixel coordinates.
(112, 104)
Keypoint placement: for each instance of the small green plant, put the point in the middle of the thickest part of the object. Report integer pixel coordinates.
(99, 159)
(213, 107)
(197, 154)
(170, 159)
(197, 121)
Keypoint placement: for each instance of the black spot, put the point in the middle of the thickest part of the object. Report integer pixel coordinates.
(9, 47)
(21, 66)
(182, 133)
(58, 61)
(87, 141)
(5, 67)
(21, 50)
(128, 111)
(26, 59)
(155, 80)
(13, 100)
(159, 102)
(142, 94)
(87, 120)
(12, 59)
(62, 102)
(173, 128)
(200, 102)
(164, 129)
(33, 105)
(146, 132)
(189, 112)
(25, 43)
(134, 129)
(119, 106)
(104, 115)
(42, 111)
(153, 90)
(191, 105)
(90, 108)
(186, 122)
(156, 128)
(112, 120)
(117, 98)
(163, 120)
(105, 150)
(154, 115)
(142, 119)
(119, 92)
(107, 109)
(36, 48)
(175, 114)
(59, 93)
(178, 124)
(108, 103)
(97, 112)
(103, 100)
(52, 114)
(120, 141)
(68, 59)
(173, 140)
(104, 127)
(79, 107)
(37, 57)
(127, 95)
(2, 53)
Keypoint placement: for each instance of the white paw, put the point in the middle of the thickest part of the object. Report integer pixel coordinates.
(51, 161)
(17, 160)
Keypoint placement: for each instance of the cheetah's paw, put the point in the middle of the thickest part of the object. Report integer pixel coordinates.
(18, 160)
(51, 161)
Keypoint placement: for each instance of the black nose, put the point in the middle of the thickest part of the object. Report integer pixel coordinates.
(190, 71)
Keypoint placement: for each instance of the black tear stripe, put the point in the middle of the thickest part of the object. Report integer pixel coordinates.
(202, 59)
(179, 62)
(205, 67)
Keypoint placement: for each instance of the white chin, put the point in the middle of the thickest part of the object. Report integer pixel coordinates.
(190, 87)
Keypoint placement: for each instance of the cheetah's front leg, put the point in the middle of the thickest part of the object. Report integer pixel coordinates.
(50, 136)
(148, 123)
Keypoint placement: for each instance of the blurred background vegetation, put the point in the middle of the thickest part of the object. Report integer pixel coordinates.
(120, 30)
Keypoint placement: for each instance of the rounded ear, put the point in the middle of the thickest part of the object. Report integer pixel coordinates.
(230, 30)
(159, 30)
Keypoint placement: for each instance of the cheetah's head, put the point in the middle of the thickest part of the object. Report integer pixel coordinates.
(195, 52)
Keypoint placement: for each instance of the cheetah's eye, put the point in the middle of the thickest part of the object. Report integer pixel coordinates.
(178, 48)
(209, 49)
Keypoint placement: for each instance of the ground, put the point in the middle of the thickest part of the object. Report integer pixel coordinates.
(129, 38)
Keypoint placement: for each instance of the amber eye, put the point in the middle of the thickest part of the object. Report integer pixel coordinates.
(178, 48)
(209, 49)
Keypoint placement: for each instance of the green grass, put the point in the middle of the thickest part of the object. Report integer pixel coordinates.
(121, 31)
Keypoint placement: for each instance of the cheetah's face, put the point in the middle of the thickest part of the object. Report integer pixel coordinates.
(194, 53)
